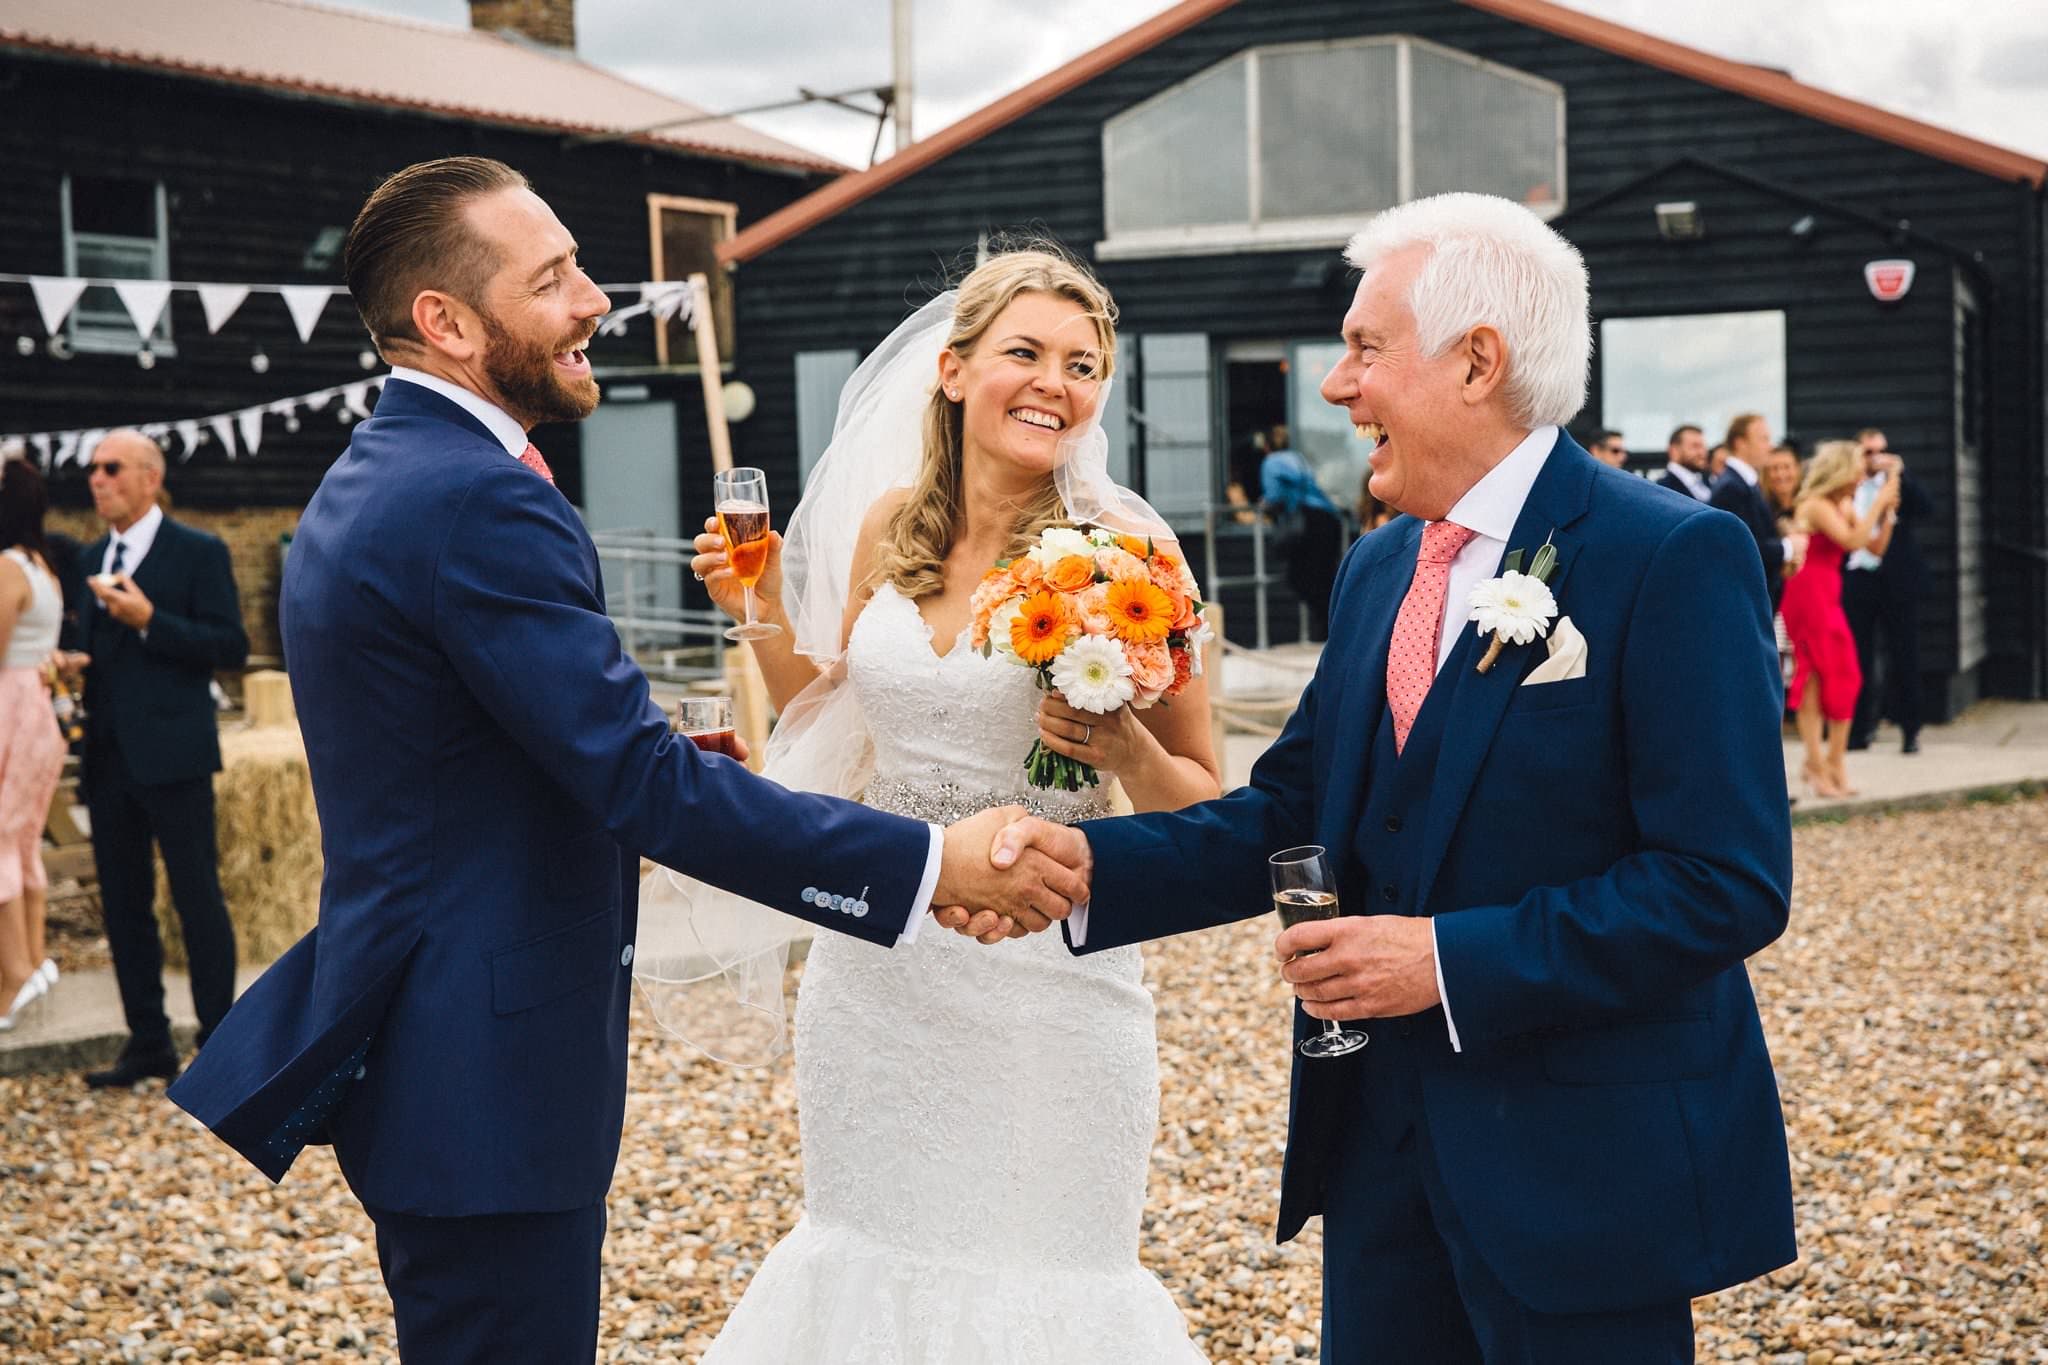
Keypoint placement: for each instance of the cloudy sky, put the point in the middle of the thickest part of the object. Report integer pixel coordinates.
(1980, 69)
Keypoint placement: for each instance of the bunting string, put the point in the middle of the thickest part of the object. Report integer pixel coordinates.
(238, 431)
(57, 295)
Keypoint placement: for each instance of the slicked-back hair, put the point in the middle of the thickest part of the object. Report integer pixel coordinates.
(411, 234)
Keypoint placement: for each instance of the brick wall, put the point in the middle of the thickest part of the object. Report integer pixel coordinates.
(251, 534)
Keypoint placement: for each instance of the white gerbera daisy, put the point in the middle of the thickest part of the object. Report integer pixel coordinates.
(1094, 674)
(1515, 607)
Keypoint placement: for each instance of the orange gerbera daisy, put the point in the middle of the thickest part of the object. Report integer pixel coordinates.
(1041, 628)
(1136, 545)
(1139, 611)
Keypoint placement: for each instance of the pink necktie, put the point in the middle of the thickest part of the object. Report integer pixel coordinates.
(1411, 654)
(530, 457)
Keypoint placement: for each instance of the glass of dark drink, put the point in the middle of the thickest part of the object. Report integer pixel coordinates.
(741, 499)
(1303, 889)
(707, 723)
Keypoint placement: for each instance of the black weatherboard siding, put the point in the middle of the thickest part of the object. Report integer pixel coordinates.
(848, 279)
(252, 178)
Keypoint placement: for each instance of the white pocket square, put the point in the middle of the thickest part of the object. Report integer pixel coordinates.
(1567, 655)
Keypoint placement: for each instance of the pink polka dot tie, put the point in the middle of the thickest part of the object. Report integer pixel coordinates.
(530, 457)
(1418, 629)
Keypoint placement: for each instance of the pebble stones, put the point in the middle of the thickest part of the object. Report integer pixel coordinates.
(1903, 1007)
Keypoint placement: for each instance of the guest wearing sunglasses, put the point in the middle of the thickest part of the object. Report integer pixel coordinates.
(159, 618)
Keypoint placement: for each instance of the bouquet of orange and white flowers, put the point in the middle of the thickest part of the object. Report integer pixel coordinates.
(1108, 620)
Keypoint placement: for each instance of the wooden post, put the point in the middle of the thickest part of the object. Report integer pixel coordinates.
(1212, 673)
(751, 711)
(710, 372)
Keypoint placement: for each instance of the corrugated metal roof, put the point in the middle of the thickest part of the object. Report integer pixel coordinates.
(376, 59)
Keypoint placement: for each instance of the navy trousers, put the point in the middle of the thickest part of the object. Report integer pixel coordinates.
(1401, 1283)
(494, 1288)
(126, 816)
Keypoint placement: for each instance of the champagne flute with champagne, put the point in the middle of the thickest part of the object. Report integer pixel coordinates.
(1303, 889)
(741, 498)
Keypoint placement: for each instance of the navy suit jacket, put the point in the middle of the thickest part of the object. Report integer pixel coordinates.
(151, 694)
(1610, 1133)
(1739, 497)
(488, 767)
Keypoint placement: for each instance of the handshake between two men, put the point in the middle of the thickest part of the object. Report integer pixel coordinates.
(1006, 873)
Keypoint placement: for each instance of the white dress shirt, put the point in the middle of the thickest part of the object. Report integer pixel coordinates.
(1866, 495)
(1491, 507)
(134, 542)
(1742, 467)
(1693, 481)
(511, 435)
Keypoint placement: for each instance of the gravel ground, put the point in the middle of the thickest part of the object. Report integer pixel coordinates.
(1904, 1009)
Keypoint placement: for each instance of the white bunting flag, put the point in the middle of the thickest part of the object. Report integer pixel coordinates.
(220, 302)
(67, 446)
(224, 431)
(145, 300)
(305, 301)
(41, 441)
(353, 396)
(249, 422)
(54, 298)
(317, 401)
(188, 432)
(157, 431)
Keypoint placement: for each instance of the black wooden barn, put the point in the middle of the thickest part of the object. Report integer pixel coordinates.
(1212, 161)
(234, 140)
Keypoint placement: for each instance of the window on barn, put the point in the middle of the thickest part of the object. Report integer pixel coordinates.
(114, 229)
(685, 235)
(1290, 145)
(1701, 368)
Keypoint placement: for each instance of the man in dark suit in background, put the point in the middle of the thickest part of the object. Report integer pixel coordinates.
(1737, 490)
(1881, 596)
(1685, 463)
(161, 615)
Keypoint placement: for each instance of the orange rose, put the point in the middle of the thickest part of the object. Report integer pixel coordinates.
(1071, 574)
(1186, 618)
(1026, 571)
(1151, 666)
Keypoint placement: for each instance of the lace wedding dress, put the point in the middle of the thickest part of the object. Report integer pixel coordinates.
(977, 1120)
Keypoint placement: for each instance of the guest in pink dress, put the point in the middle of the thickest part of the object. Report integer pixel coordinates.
(31, 745)
(1826, 677)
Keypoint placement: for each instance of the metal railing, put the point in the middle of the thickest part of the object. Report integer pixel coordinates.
(676, 644)
(1261, 579)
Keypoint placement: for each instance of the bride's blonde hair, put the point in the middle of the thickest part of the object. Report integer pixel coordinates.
(915, 543)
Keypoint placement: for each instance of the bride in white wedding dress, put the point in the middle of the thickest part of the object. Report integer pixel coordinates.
(976, 1120)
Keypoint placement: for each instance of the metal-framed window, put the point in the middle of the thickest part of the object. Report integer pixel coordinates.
(116, 229)
(1290, 145)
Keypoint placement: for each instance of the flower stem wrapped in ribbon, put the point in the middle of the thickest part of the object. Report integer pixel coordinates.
(1107, 620)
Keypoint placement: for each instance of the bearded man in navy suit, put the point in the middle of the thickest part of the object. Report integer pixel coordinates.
(489, 769)
(1566, 1125)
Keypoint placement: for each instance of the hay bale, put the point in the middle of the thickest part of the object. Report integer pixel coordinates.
(269, 838)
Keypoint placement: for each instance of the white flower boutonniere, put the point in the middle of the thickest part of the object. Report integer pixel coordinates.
(1516, 607)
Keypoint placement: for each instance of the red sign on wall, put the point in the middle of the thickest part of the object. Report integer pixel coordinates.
(1888, 280)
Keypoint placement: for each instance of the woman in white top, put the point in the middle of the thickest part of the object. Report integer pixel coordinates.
(31, 745)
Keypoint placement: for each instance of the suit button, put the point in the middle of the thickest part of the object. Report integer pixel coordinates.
(860, 909)
(626, 956)
(1390, 893)
(1393, 824)
(810, 894)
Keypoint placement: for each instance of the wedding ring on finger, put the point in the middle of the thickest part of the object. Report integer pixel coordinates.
(1087, 734)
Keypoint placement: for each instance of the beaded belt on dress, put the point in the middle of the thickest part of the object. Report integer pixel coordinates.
(944, 802)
